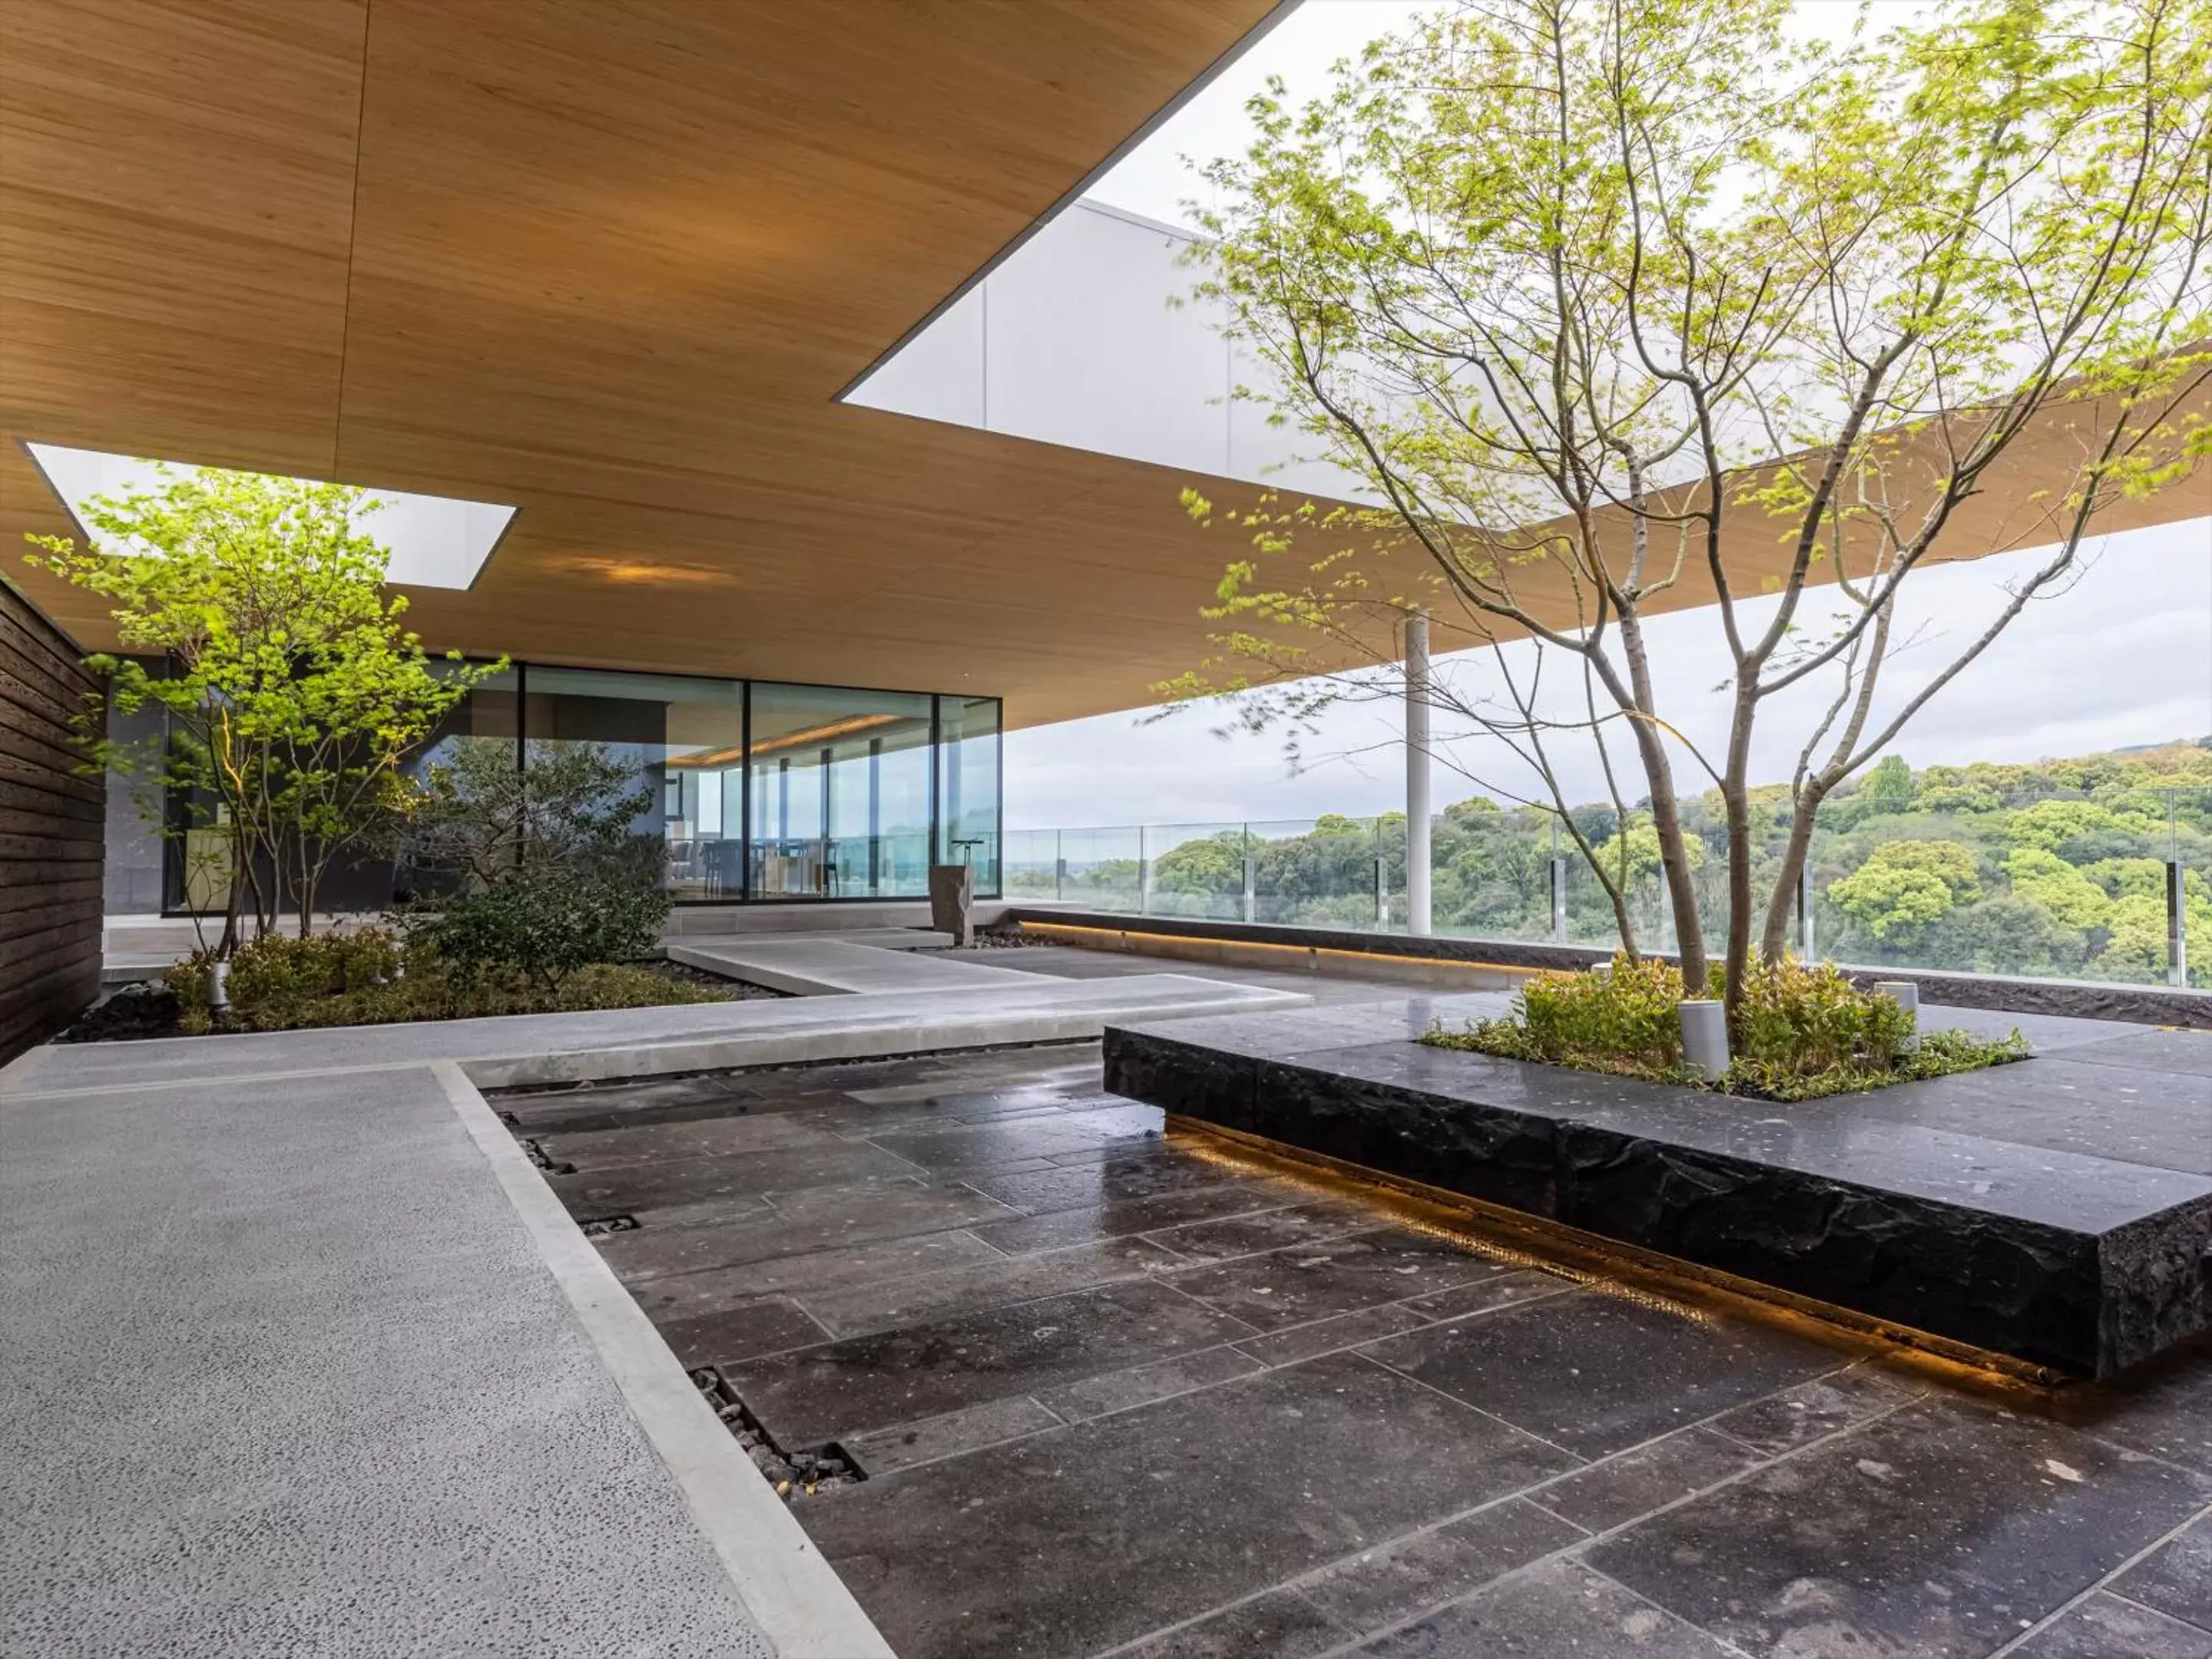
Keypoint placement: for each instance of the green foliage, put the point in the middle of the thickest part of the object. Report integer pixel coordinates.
(373, 978)
(273, 976)
(1524, 268)
(1888, 786)
(1906, 886)
(1902, 886)
(564, 806)
(291, 691)
(2045, 878)
(548, 923)
(2002, 935)
(1637, 850)
(1795, 1021)
(1621, 1021)
(1212, 865)
(1799, 1032)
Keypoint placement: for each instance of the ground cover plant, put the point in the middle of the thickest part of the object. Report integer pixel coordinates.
(378, 976)
(1800, 1032)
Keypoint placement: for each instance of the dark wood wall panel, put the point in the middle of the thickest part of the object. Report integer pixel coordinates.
(52, 829)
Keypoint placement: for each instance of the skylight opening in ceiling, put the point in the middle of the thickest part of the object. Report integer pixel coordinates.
(434, 541)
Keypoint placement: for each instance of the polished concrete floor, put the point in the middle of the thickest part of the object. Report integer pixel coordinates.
(1118, 1390)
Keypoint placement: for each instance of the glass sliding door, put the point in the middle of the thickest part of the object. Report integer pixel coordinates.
(680, 742)
(840, 792)
(968, 773)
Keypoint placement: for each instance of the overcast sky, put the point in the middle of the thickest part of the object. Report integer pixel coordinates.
(2124, 657)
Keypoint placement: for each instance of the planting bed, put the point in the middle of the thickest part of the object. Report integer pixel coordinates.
(2058, 1210)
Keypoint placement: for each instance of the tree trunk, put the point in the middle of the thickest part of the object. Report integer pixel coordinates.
(227, 946)
(1735, 800)
(1666, 813)
(1675, 864)
(1624, 924)
(1783, 901)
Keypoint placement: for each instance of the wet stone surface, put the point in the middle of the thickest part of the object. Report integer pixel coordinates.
(1113, 1388)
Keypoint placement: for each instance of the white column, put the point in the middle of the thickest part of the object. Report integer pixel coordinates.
(1417, 774)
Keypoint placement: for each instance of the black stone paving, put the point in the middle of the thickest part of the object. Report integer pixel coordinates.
(2057, 1209)
(1118, 1394)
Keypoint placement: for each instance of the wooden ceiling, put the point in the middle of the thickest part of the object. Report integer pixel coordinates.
(610, 261)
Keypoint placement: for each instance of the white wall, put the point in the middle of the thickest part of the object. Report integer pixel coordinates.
(1078, 339)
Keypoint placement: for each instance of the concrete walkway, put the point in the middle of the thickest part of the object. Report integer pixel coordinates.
(282, 1372)
(546, 1048)
(299, 1354)
(826, 967)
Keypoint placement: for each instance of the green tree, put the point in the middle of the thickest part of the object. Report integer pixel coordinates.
(2007, 934)
(1212, 867)
(2045, 878)
(1888, 786)
(483, 813)
(1905, 887)
(1637, 851)
(1601, 303)
(293, 694)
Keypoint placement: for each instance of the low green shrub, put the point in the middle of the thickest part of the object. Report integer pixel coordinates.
(539, 940)
(1800, 1031)
(547, 924)
(1628, 1015)
(279, 973)
(430, 989)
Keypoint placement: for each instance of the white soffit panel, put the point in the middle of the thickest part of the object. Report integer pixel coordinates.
(434, 541)
(1086, 336)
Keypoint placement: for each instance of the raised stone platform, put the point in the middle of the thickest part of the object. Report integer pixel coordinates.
(2058, 1210)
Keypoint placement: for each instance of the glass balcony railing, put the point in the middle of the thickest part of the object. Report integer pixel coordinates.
(2049, 885)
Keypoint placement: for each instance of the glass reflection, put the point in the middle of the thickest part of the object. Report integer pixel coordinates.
(968, 731)
(840, 793)
(685, 739)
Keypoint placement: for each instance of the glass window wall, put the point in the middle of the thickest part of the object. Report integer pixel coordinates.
(840, 793)
(763, 791)
(684, 741)
(968, 738)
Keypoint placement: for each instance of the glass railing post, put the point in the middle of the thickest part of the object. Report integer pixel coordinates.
(1251, 878)
(2177, 924)
(1807, 947)
(1144, 875)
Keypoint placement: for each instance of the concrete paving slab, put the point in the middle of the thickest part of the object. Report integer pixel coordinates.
(534, 1049)
(808, 967)
(280, 1371)
(889, 938)
(792, 1597)
(812, 916)
(133, 956)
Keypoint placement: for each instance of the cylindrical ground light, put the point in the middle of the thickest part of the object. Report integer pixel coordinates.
(1704, 1037)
